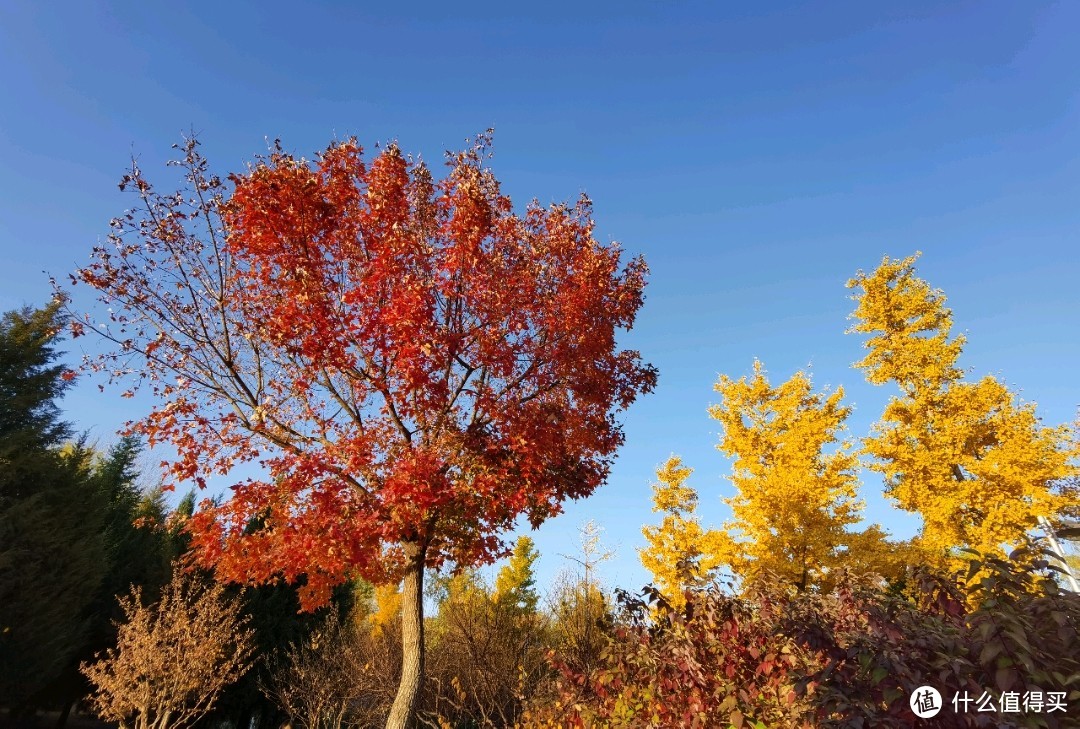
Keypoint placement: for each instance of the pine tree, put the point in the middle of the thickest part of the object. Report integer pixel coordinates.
(52, 556)
(31, 381)
(135, 551)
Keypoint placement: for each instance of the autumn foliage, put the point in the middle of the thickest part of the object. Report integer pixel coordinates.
(833, 625)
(970, 458)
(714, 662)
(173, 658)
(795, 479)
(410, 359)
(775, 657)
(414, 364)
(679, 553)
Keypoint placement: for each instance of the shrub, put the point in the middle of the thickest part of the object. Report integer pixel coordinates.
(173, 658)
(850, 657)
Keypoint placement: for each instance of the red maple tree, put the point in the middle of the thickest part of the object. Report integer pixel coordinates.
(414, 365)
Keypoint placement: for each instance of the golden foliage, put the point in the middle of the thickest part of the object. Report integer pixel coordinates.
(680, 554)
(794, 501)
(910, 327)
(515, 585)
(387, 607)
(969, 457)
(172, 659)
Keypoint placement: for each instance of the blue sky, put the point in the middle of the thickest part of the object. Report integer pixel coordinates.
(757, 158)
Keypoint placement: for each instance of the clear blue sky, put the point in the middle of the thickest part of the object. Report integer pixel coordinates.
(757, 158)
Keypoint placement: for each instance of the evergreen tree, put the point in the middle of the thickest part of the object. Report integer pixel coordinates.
(52, 555)
(135, 553)
(30, 383)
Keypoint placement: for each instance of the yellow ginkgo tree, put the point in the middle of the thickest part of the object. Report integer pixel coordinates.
(795, 500)
(515, 585)
(969, 457)
(680, 554)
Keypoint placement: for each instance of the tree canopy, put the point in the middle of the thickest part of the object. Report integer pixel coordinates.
(414, 364)
(794, 500)
(969, 457)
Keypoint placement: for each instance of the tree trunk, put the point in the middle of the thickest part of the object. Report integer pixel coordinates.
(412, 639)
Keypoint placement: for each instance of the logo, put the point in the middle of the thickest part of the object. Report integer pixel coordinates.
(925, 702)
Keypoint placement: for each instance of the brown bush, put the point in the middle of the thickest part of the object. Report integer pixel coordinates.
(172, 658)
(484, 656)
